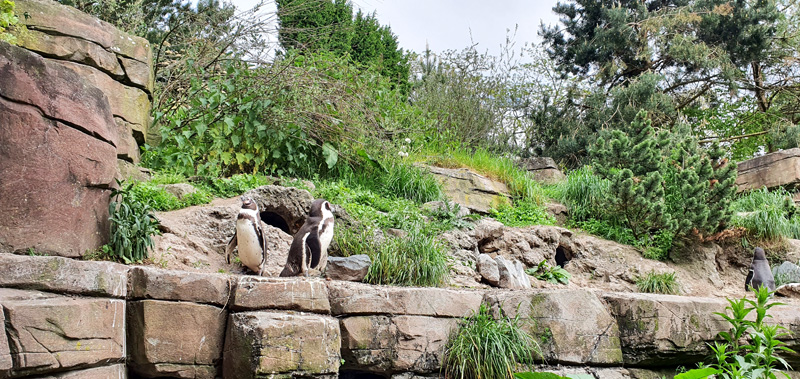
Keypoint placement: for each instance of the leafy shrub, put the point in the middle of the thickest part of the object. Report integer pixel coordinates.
(157, 198)
(488, 348)
(522, 213)
(658, 283)
(768, 215)
(551, 274)
(416, 260)
(757, 357)
(132, 225)
(7, 21)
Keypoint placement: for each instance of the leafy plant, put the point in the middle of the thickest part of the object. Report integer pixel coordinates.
(7, 21)
(551, 274)
(658, 283)
(757, 358)
(132, 225)
(157, 198)
(488, 348)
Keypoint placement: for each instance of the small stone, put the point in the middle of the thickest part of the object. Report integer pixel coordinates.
(488, 269)
(180, 190)
(353, 268)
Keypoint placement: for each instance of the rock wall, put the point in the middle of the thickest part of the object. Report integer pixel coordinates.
(73, 99)
(65, 318)
(778, 169)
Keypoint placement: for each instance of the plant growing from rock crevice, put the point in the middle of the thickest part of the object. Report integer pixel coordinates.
(132, 225)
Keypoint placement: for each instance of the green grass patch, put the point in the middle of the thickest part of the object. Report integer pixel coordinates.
(652, 282)
(522, 213)
(767, 215)
(488, 348)
(583, 192)
(157, 198)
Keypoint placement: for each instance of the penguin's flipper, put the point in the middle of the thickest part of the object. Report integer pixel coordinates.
(314, 249)
(748, 280)
(262, 241)
(230, 246)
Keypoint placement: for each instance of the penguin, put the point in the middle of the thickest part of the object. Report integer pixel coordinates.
(760, 273)
(250, 238)
(309, 249)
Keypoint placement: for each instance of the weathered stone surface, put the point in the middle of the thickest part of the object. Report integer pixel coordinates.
(180, 189)
(470, 190)
(395, 344)
(72, 49)
(261, 344)
(139, 73)
(543, 169)
(353, 268)
(572, 326)
(559, 212)
(63, 275)
(789, 290)
(778, 169)
(118, 371)
(128, 103)
(788, 316)
(665, 329)
(176, 339)
(512, 274)
(127, 146)
(585, 372)
(6, 360)
(787, 272)
(487, 267)
(158, 284)
(297, 294)
(53, 18)
(57, 92)
(290, 203)
(49, 333)
(348, 298)
(128, 171)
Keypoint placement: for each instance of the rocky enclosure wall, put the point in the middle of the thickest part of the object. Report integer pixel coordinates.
(73, 99)
(65, 318)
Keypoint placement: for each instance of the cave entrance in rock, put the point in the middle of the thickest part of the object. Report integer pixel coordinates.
(561, 256)
(274, 219)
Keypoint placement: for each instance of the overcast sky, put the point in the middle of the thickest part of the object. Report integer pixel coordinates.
(455, 24)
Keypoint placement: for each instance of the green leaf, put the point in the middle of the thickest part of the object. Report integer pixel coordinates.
(235, 139)
(330, 154)
(699, 373)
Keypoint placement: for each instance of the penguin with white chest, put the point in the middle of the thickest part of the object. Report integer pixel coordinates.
(760, 273)
(249, 237)
(309, 248)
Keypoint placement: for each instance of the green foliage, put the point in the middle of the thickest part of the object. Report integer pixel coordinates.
(7, 21)
(658, 283)
(330, 25)
(418, 259)
(583, 192)
(767, 215)
(551, 274)
(757, 358)
(234, 185)
(132, 225)
(488, 348)
(521, 214)
(700, 373)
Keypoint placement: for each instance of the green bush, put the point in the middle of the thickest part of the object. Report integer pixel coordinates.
(132, 225)
(487, 348)
(658, 283)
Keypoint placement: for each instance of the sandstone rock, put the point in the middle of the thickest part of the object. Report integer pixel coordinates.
(129, 171)
(487, 267)
(789, 290)
(180, 190)
(543, 169)
(139, 73)
(58, 157)
(158, 284)
(470, 190)
(290, 203)
(57, 274)
(260, 344)
(50, 333)
(353, 268)
(778, 169)
(395, 344)
(788, 316)
(72, 49)
(487, 230)
(348, 298)
(584, 372)
(296, 294)
(127, 145)
(665, 329)
(572, 326)
(559, 212)
(118, 371)
(176, 339)
(787, 272)
(6, 360)
(512, 274)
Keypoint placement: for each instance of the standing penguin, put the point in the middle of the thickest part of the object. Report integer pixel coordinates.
(309, 248)
(250, 238)
(759, 274)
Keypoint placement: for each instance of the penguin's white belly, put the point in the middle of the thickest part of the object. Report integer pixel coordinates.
(249, 247)
(325, 239)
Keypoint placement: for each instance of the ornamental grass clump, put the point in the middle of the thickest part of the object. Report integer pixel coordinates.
(487, 348)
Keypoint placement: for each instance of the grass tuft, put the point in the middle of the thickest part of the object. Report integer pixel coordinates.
(658, 283)
(767, 215)
(485, 348)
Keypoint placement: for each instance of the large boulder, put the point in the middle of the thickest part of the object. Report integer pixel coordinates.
(294, 294)
(778, 169)
(270, 344)
(57, 157)
(353, 268)
(512, 274)
(471, 190)
(175, 285)
(787, 272)
(543, 169)
(348, 298)
(64, 275)
(175, 339)
(50, 333)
